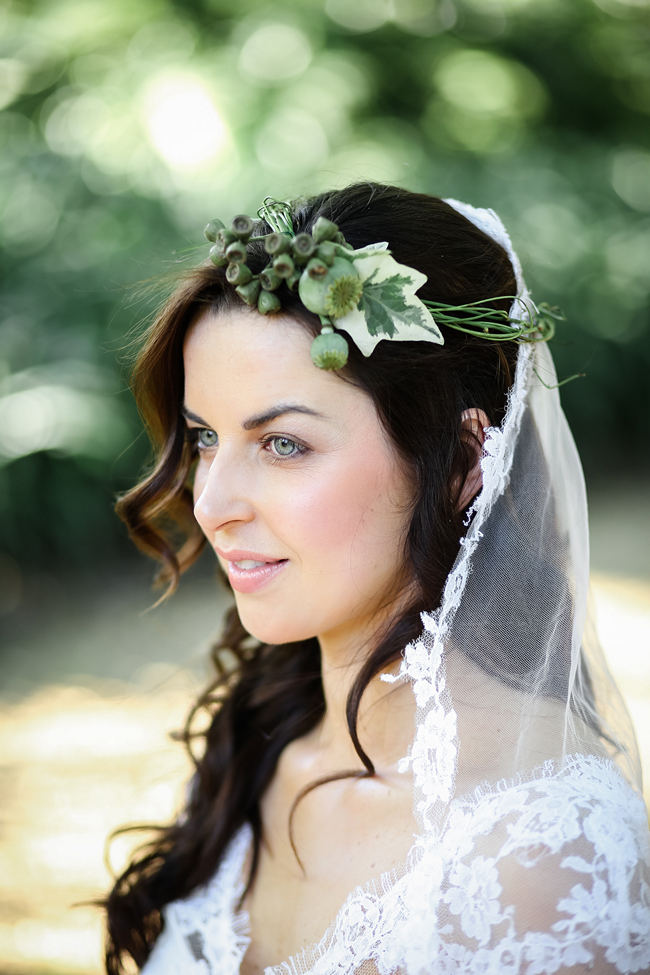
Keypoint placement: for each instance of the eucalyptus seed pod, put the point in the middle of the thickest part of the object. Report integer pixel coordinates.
(316, 269)
(217, 256)
(236, 252)
(238, 274)
(242, 226)
(324, 229)
(268, 302)
(224, 237)
(276, 244)
(250, 291)
(284, 265)
(293, 281)
(270, 279)
(329, 350)
(340, 239)
(327, 251)
(302, 247)
(213, 228)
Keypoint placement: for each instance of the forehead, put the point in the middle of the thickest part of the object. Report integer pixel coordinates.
(244, 360)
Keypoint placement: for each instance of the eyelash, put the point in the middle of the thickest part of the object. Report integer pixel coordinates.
(192, 437)
(193, 433)
(278, 458)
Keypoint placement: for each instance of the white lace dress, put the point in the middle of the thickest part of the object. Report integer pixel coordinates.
(535, 877)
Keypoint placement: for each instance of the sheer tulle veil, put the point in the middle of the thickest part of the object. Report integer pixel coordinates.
(515, 622)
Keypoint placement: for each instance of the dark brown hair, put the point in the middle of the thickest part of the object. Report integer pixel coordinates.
(269, 695)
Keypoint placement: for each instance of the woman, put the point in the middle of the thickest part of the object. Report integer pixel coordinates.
(416, 761)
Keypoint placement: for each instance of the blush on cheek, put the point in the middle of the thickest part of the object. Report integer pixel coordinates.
(347, 511)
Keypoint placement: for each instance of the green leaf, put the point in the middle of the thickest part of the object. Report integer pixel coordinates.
(386, 304)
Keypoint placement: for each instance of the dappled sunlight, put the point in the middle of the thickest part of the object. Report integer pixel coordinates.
(77, 762)
(258, 56)
(71, 408)
(291, 141)
(483, 102)
(183, 122)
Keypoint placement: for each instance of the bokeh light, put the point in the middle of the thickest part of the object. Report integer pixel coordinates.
(274, 52)
(484, 102)
(183, 122)
(631, 177)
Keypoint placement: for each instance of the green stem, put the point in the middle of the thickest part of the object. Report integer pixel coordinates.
(563, 382)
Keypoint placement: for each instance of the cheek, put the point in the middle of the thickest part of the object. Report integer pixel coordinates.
(353, 514)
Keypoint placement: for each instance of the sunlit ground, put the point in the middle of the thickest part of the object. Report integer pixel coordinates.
(80, 758)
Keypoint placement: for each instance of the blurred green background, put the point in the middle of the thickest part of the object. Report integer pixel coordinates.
(124, 127)
(127, 125)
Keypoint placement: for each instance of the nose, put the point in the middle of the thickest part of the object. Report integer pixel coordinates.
(221, 497)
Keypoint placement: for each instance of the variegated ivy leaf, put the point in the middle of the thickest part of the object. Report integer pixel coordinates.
(389, 307)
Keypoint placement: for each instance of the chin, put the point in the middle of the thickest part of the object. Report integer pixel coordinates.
(267, 629)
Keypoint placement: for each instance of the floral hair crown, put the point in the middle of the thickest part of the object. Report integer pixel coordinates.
(365, 292)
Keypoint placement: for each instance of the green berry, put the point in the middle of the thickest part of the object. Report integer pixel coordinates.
(250, 291)
(284, 265)
(213, 228)
(242, 226)
(217, 255)
(329, 350)
(270, 279)
(303, 247)
(316, 269)
(327, 251)
(276, 243)
(224, 237)
(268, 302)
(236, 252)
(238, 274)
(320, 292)
(293, 281)
(324, 229)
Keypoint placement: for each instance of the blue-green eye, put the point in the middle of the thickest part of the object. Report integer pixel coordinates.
(284, 447)
(206, 439)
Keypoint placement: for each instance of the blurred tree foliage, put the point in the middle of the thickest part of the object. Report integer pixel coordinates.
(125, 126)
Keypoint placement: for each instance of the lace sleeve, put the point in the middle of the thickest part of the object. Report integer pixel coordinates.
(548, 877)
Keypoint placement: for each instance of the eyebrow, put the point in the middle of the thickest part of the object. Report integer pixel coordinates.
(259, 419)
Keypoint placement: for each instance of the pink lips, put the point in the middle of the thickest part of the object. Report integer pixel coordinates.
(252, 579)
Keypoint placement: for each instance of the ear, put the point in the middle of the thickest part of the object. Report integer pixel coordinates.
(472, 433)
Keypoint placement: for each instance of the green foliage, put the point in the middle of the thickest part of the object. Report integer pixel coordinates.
(383, 302)
(125, 126)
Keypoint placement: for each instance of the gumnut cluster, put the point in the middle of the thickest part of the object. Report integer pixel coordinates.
(317, 265)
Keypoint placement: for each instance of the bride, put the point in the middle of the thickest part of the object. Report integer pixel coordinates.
(415, 760)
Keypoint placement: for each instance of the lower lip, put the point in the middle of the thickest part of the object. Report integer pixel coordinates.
(252, 580)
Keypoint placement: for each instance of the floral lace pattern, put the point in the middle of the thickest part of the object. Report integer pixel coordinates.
(467, 903)
(214, 936)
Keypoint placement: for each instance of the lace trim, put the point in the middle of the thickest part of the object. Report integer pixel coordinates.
(216, 936)
(433, 754)
(395, 921)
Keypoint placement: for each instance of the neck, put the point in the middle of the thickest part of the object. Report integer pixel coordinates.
(386, 714)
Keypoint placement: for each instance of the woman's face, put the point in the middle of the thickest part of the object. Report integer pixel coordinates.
(297, 487)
